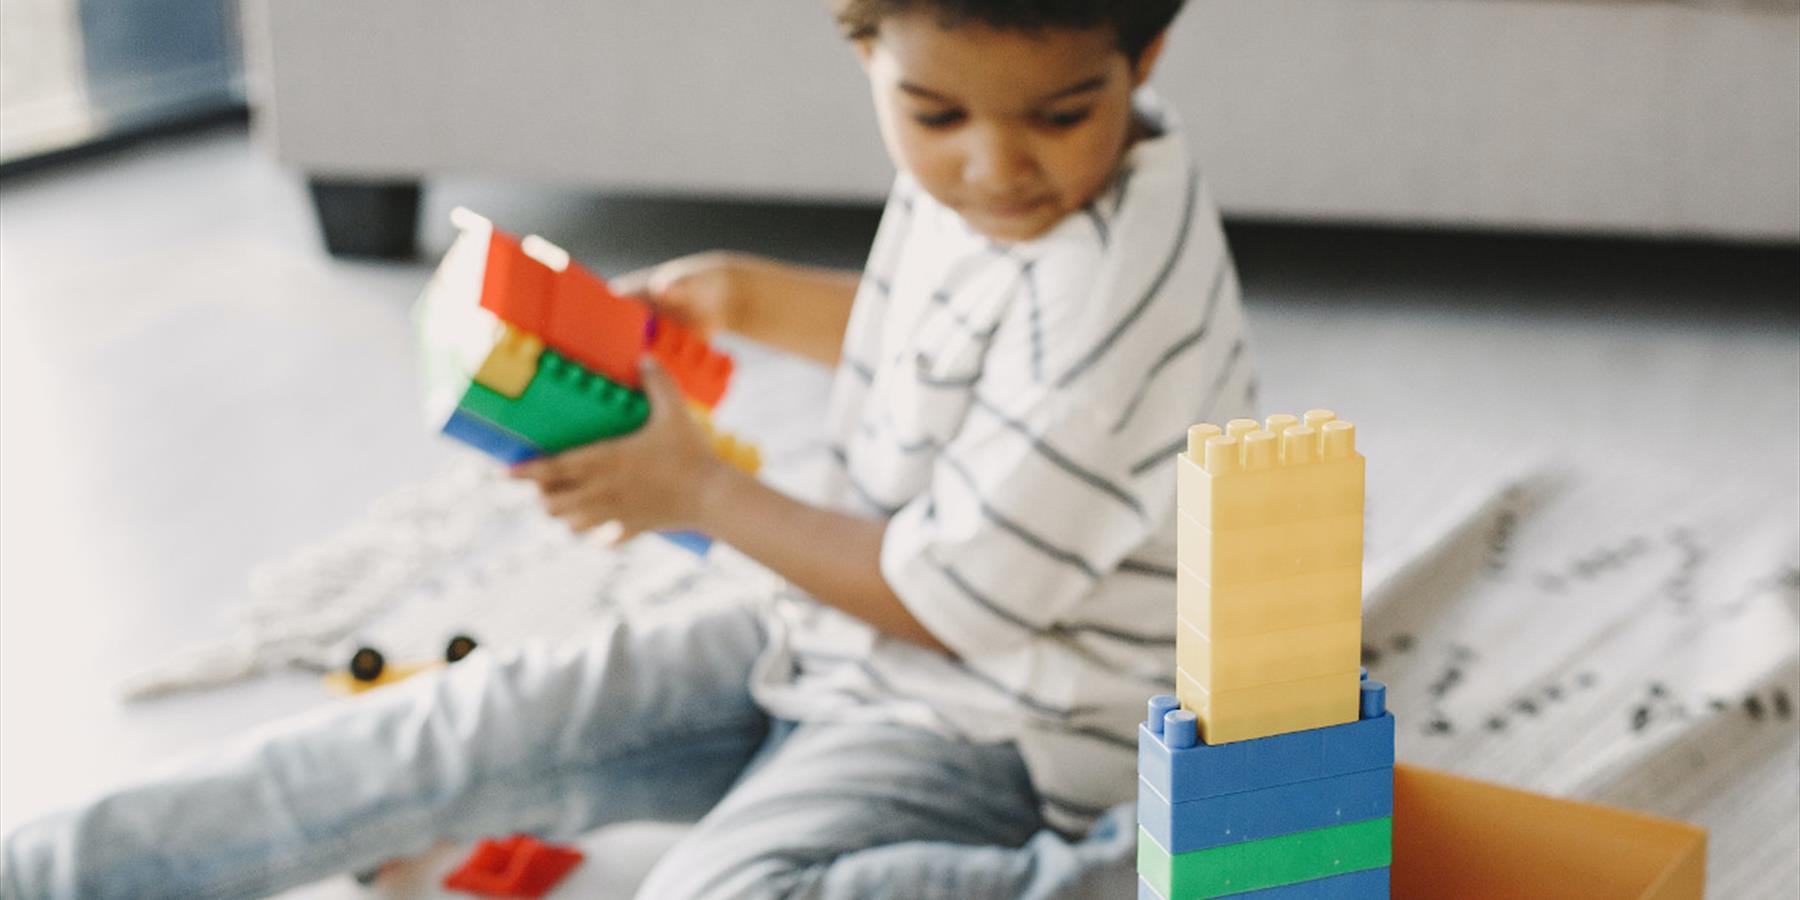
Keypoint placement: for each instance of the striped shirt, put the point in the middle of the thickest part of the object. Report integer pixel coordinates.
(1013, 411)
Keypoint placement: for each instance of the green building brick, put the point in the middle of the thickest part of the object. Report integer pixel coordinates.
(1290, 858)
(564, 406)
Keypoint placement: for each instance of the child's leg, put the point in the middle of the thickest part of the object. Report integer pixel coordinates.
(858, 811)
(635, 724)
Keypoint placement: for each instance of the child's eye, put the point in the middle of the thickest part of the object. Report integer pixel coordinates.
(1066, 119)
(943, 119)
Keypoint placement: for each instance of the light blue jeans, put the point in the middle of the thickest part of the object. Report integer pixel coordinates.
(639, 724)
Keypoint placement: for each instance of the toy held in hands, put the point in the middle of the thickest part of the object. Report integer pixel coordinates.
(526, 353)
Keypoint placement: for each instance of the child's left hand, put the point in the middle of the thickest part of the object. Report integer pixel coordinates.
(655, 477)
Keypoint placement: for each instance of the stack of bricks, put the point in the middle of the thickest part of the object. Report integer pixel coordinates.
(1269, 774)
(526, 353)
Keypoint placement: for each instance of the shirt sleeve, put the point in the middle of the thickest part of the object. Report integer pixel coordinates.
(1032, 500)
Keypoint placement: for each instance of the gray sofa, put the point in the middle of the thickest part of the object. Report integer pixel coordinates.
(1619, 116)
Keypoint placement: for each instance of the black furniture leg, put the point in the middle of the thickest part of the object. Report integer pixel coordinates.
(370, 219)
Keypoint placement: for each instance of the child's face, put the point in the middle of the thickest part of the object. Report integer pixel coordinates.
(1012, 130)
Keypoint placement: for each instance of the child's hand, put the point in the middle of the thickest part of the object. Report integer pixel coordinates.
(655, 477)
(700, 291)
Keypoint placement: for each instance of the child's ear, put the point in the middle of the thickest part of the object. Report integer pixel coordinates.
(865, 50)
(1146, 62)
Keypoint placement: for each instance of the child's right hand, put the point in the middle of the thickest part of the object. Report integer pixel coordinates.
(702, 291)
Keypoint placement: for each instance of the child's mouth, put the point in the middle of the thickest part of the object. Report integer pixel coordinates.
(1012, 210)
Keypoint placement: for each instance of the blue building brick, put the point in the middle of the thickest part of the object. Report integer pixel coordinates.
(489, 438)
(1266, 812)
(1368, 884)
(1194, 773)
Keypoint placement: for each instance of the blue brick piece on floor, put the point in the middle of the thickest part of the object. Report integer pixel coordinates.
(1194, 773)
(489, 438)
(1369, 884)
(1266, 812)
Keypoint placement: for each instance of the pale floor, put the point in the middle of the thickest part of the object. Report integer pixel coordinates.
(189, 386)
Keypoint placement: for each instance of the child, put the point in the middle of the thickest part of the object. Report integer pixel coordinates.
(946, 701)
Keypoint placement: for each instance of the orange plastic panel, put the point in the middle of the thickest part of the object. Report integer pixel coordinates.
(701, 371)
(598, 328)
(516, 287)
(1455, 837)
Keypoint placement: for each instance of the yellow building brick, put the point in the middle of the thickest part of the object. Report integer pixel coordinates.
(1248, 713)
(1269, 537)
(512, 362)
(1310, 487)
(1272, 657)
(1245, 555)
(1256, 607)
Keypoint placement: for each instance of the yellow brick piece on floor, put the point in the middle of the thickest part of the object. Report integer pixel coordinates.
(1248, 713)
(1255, 607)
(1246, 661)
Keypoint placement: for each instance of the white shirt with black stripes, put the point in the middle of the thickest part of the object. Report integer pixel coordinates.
(1014, 410)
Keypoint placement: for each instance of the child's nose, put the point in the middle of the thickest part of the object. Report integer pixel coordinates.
(998, 162)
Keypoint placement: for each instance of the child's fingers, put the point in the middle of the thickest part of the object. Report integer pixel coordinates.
(573, 465)
(580, 510)
(538, 470)
(633, 284)
(665, 395)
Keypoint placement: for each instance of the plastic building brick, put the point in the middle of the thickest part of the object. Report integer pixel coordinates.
(1195, 771)
(1262, 710)
(1368, 884)
(694, 542)
(740, 454)
(518, 866)
(1248, 660)
(1257, 481)
(564, 406)
(1331, 595)
(1290, 858)
(510, 366)
(1244, 555)
(1269, 582)
(701, 372)
(1270, 773)
(491, 439)
(601, 330)
(532, 285)
(1270, 812)
(514, 286)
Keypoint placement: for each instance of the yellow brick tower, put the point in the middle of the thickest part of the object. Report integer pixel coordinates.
(1269, 589)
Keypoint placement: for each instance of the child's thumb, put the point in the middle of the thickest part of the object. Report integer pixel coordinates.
(659, 385)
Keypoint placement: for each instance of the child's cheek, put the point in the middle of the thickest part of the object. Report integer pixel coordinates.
(932, 161)
(1087, 165)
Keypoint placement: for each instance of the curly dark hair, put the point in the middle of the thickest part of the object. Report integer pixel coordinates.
(1135, 22)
